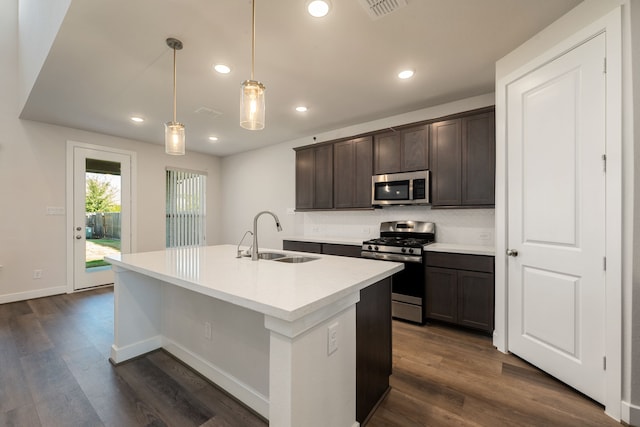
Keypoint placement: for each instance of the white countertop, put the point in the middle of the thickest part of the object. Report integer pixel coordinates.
(283, 290)
(356, 241)
(461, 249)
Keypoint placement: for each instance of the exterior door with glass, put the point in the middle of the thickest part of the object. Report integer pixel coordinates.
(101, 213)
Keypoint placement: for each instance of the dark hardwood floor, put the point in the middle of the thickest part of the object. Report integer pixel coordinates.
(450, 377)
(54, 371)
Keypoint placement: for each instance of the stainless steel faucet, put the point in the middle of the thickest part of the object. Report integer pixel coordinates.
(254, 248)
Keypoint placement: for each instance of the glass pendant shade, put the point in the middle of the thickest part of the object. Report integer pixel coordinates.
(252, 106)
(174, 138)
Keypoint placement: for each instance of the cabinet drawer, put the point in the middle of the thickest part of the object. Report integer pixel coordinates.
(292, 245)
(482, 263)
(341, 250)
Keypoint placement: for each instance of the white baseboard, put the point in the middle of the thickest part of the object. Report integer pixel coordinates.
(39, 293)
(630, 414)
(122, 354)
(222, 379)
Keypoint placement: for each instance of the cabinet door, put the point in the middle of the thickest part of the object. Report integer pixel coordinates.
(441, 297)
(305, 178)
(323, 177)
(344, 184)
(476, 300)
(415, 149)
(363, 172)
(352, 168)
(478, 159)
(386, 153)
(446, 176)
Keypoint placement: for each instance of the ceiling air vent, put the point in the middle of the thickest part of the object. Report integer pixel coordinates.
(208, 111)
(379, 8)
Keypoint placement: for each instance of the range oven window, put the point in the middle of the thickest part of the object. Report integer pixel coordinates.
(394, 190)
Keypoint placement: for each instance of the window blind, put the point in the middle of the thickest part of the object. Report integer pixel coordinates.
(186, 202)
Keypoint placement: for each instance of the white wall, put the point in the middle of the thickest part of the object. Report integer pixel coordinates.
(265, 179)
(32, 177)
(40, 21)
(580, 17)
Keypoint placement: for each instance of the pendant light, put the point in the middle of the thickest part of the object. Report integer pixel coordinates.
(252, 96)
(174, 137)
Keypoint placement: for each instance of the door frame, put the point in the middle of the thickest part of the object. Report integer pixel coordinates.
(71, 146)
(611, 25)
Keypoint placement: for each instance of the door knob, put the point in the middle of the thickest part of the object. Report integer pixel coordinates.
(78, 236)
(512, 252)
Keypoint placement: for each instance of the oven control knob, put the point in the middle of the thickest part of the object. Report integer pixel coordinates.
(376, 248)
(410, 250)
(404, 250)
(369, 247)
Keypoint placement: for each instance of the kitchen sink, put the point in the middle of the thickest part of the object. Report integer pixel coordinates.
(296, 259)
(270, 255)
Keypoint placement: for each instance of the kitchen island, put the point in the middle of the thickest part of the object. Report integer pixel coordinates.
(280, 337)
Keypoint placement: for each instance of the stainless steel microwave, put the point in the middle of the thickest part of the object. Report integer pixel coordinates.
(407, 188)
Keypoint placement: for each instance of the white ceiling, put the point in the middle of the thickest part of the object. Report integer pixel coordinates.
(110, 61)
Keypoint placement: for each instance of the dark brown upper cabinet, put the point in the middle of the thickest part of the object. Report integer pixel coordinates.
(404, 150)
(352, 169)
(462, 161)
(314, 177)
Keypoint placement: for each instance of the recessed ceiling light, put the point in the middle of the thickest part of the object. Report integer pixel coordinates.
(137, 119)
(318, 8)
(222, 69)
(301, 109)
(406, 74)
(213, 138)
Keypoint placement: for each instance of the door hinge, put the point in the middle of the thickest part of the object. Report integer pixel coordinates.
(604, 263)
(604, 162)
(604, 65)
(604, 363)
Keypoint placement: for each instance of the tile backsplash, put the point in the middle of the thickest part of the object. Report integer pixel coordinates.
(457, 226)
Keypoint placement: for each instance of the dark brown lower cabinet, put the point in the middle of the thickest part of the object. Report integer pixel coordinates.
(322, 248)
(460, 289)
(373, 331)
(294, 245)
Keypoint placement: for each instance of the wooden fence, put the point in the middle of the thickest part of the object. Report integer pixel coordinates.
(103, 225)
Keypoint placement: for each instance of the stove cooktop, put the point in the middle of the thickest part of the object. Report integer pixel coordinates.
(400, 241)
(407, 242)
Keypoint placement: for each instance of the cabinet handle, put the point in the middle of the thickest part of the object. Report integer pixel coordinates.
(512, 252)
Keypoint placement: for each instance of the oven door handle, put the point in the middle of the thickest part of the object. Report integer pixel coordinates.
(392, 257)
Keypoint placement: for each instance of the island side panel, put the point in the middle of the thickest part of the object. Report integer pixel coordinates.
(374, 350)
(226, 343)
(137, 315)
(308, 386)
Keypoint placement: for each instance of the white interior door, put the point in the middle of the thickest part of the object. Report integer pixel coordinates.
(556, 217)
(99, 234)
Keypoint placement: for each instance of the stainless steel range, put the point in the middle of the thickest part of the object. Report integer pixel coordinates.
(404, 241)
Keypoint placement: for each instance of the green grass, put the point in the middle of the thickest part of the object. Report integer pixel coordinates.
(96, 263)
(112, 243)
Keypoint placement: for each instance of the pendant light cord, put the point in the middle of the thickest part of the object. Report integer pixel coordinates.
(174, 85)
(253, 35)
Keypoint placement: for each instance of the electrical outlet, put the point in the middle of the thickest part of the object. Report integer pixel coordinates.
(207, 330)
(332, 338)
(37, 274)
